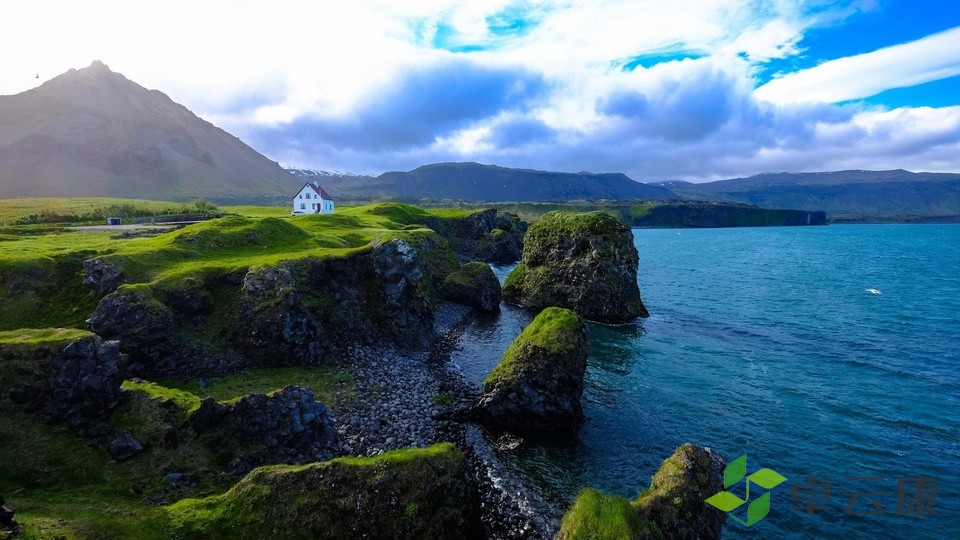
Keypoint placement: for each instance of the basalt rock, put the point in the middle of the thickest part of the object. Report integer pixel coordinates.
(487, 235)
(538, 384)
(145, 328)
(79, 384)
(474, 284)
(100, 277)
(125, 446)
(502, 246)
(86, 388)
(672, 507)
(584, 262)
(289, 420)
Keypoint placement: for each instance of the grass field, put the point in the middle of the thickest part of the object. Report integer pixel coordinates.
(85, 209)
(41, 268)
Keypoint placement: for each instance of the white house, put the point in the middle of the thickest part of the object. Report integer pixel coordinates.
(312, 199)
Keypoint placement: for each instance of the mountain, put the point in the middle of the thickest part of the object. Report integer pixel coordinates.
(852, 193)
(487, 183)
(93, 132)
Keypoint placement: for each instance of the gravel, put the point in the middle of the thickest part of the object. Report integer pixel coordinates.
(413, 399)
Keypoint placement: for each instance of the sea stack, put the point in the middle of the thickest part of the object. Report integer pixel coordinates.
(537, 386)
(582, 261)
(672, 507)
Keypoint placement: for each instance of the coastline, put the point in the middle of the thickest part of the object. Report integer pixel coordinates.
(418, 399)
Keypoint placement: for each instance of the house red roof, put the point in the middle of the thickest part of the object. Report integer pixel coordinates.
(318, 190)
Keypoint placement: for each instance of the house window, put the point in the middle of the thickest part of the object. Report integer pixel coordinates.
(301, 196)
(303, 206)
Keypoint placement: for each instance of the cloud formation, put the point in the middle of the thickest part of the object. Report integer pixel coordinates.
(928, 59)
(658, 90)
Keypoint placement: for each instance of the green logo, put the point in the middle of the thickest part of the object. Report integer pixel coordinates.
(728, 502)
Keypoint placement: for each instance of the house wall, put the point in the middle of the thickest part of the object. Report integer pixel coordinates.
(308, 202)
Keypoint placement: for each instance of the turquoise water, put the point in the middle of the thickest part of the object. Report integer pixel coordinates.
(770, 342)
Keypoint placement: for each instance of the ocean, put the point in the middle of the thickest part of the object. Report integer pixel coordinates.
(828, 354)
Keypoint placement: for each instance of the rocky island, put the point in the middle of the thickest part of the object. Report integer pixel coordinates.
(536, 387)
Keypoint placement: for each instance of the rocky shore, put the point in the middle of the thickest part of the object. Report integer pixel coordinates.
(415, 399)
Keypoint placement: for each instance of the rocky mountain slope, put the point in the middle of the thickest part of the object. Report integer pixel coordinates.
(93, 132)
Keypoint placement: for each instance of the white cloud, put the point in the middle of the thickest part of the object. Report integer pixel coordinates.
(360, 86)
(928, 59)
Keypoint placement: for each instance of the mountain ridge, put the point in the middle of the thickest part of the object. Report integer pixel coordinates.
(470, 181)
(854, 193)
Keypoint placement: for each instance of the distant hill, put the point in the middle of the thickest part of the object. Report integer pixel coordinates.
(862, 193)
(93, 133)
(486, 183)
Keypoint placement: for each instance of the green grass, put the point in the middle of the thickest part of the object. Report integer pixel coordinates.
(441, 400)
(62, 487)
(596, 516)
(45, 291)
(41, 336)
(41, 270)
(671, 507)
(325, 381)
(85, 209)
(184, 401)
(556, 330)
(258, 211)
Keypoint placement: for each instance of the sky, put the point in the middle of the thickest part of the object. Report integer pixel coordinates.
(692, 90)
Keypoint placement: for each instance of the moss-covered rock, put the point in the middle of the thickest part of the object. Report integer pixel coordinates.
(538, 383)
(596, 515)
(485, 235)
(672, 507)
(586, 262)
(79, 385)
(287, 313)
(474, 284)
(411, 493)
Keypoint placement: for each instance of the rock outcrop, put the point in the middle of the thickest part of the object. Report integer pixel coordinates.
(413, 493)
(87, 386)
(672, 507)
(487, 235)
(291, 313)
(79, 386)
(145, 328)
(125, 446)
(100, 277)
(474, 284)
(538, 383)
(289, 419)
(584, 262)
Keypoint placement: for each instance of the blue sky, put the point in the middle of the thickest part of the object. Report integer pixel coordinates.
(659, 89)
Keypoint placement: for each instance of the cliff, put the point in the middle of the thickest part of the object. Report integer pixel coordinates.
(701, 214)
